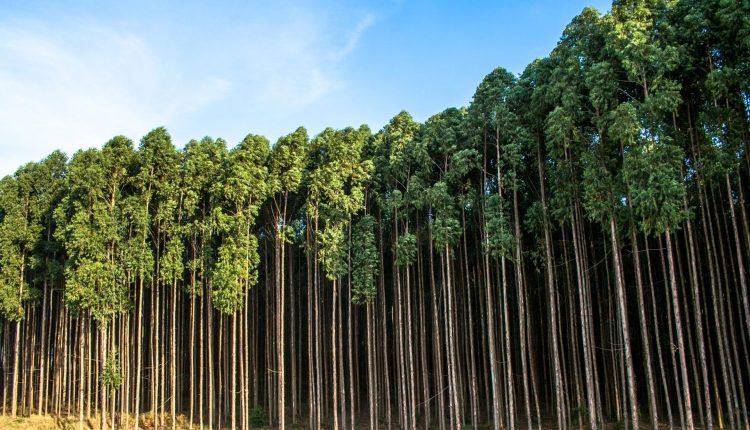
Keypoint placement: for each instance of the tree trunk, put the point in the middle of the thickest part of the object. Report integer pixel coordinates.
(620, 286)
(678, 327)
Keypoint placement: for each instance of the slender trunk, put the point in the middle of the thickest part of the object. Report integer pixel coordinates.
(588, 362)
(698, 317)
(492, 345)
(191, 345)
(620, 285)
(739, 255)
(451, 339)
(138, 353)
(410, 351)
(334, 362)
(552, 301)
(349, 332)
(201, 355)
(17, 355)
(103, 360)
(173, 357)
(644, 331)
(81, 385)
(233, 396)
(209, 367)
(42, 350)
(678, 327)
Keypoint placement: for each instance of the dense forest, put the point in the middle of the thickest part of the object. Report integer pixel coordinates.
(571, 249)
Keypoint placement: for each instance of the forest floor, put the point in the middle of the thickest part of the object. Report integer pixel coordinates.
(46, 422)
(35, 422)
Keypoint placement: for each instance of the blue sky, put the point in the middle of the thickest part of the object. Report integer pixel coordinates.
(74, 74)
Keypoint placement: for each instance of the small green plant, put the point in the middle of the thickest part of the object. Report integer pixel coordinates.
(258, 417)
(111, 376)
(581, 412)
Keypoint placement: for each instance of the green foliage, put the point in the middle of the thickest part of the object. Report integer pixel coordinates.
(172, 266)
(653, 172)
(258, 417)
(245, 188)
(17, 236)
(602, 194)
(406, 250)
(90, 217)
(287, 161)
(111, 376)
(446, 229)
(228, 289)
(500, 237)
(332, 250)
(633, 25)
(10, 302)
(204, 164)
(135, 253)
(93, 285)
(28, 249)
(364, 261)
(336, 183)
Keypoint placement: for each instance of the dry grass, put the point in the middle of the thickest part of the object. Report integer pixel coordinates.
(34, 422)
(46, 422)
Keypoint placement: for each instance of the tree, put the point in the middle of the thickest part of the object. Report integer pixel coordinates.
(245, 187)
(286, 166)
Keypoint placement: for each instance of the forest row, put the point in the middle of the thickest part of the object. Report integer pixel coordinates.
(571, 249)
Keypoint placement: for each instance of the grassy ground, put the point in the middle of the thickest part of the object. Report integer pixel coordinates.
(35, 422)
(46, 422)
(38, 422)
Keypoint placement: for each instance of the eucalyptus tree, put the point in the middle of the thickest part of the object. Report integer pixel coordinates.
(647, 59)
(29, 269)
(49, 189)
(336, 181)
(203, 164)
(494, 122)
(20, 230)
(286, 166)
(481, 113)
(532, 94)
(710, 125)
(138, 265)
(365, 268)
(393, 151)
(399, 160)
(583, 105)
(245, 188)
(156, 179)
(171, 268)
(161, 191)
(91, 218)
(653, 174)
(444, 137)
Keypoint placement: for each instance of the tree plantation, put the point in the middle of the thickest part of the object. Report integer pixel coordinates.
(570, 250)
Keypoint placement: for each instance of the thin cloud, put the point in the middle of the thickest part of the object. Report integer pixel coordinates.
(74, 83)
(351, 42)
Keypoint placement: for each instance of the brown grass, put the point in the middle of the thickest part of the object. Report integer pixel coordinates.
(46, 422)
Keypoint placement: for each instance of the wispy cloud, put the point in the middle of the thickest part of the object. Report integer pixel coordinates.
(70, 85)
(351, 42)
(70, 90)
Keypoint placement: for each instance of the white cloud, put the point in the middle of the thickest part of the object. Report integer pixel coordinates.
(70, 85)
(71, 90)
(351, 42)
